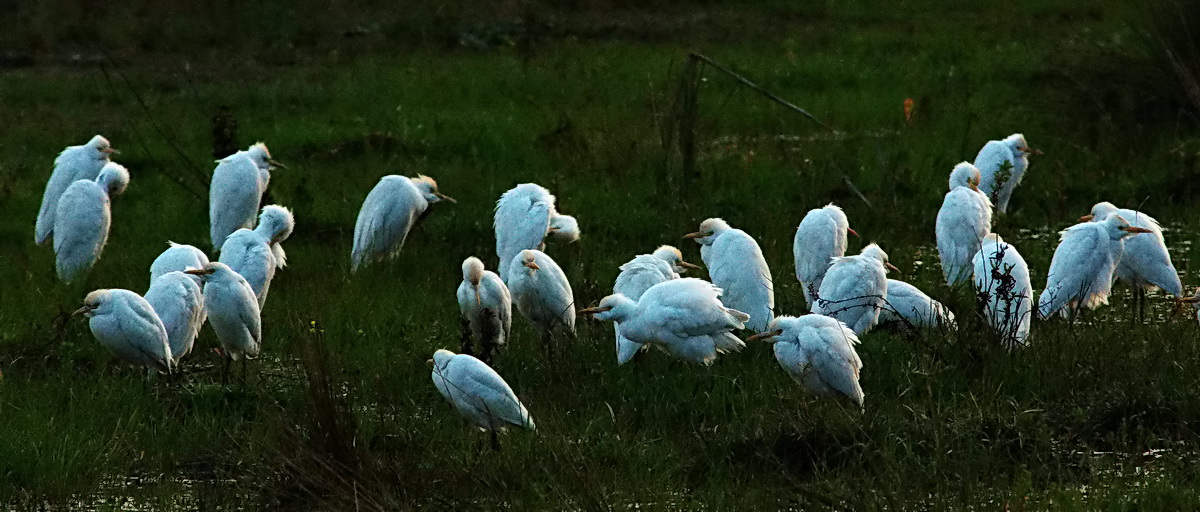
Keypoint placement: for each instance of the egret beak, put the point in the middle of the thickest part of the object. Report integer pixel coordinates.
(1135, 230)
(554, 229)
(694, 235)
(890, 266)
(765, 335)
(1031, 151)
(532, 265)
(975, 186)
(445, 197)
(851, 231)
(275, 163)
(1087, 218)
(597, 309)
(429, 362)
(81, 311)
(199, 271)
(110, 151)
(689, 266)
(478, 301)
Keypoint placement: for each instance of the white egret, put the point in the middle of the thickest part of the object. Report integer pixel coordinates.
(478, 393)
(83, 218)
(233, 314)
(1002, 281)
(542, 294)
(388, 214)
(73, 164)
(963, 221)
(1083, 266)
(818, 353)
(238, 184)
(525, 215)
(256, 254)
(485, 303)
(737, 266)
(855, 288)
(126, 324)
(908, 304)
(178, 302)
(1145, 263)
(683, 316)
(820, 237)
(1002, 164)
(178, 258)
(637, 276)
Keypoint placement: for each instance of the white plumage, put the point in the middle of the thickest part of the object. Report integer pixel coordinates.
(818, 353)
(1002, 281)
(820, 237)
(237, 187)
(485, 303)
(477, 392)
(125, 323)
(178, 258)
(854, 289)
(388, 214)
(1084, 264)
(907, 302)
(82, 221)
(683, 316)
(637, 276)
(997, 187)
(541, 292)
(179, 304)
(232, 309)
(737, 266)
(256, 254)
(1145, 262)
(963, 221)
(525, 215)
(73, 164)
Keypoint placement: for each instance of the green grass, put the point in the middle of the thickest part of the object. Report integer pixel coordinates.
(341, 412)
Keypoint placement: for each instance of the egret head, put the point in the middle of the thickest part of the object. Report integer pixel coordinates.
(102, 148)
(441, 358)
(709, 229)
(564, 228)
(774, 329)
(113, 178)
(1119, 228)
(429, 189)
(615, 307)
(873, 251)
(261, 157)
(276, 223)
(839, 217)
(529, 260)
(1099, 212)
(472, 270)
(1017, 142)
(964, 175)
(211, 270)
(674, 258)
(95, 303)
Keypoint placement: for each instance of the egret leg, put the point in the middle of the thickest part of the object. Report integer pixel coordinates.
(225, 361)
(244, 371)
(1141, 305)
(495, 440)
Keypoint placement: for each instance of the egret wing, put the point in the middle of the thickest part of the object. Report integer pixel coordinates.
(233, 197)
(81, 227)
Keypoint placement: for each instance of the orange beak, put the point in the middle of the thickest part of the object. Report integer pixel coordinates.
(1031, 151)
(689, 266)
(851, 231)
(444, 197)
(694, 235)
(1135, 230)
(597, 309)
(532, 265)
(892, 267)
(1087, 218)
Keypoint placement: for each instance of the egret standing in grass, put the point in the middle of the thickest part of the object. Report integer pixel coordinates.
(684, 316)
(1145, 263)
(179, 304)
(126, 324)
(178, 258)
(238, 184)
(1002, 281)
(1002, 164)
(388, 214)
(73, 164)
(820, 237)
(83, 219)
(855, 289)
(525, 216)
(233, 314)
(542, 294)
(478, 393)
(637, 276)
(485, 303)
(963, 221)
(1083, 266)
(818, 353)
(256, 254)
(908, 304)
(737, 266)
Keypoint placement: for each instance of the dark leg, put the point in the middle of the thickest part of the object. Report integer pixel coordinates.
(225, 362)
(495, 440)
(243, 371)
(464, 338)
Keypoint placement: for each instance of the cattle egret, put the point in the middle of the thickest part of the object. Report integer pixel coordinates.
(1002, 164)
(818, 353)
(736, 265)
(1083, 266)
(1145, 263)
(388, 214)
(820, 237)
(908, 304)
(233, 314)
(1002, 283)
(257, 253)
(178, 258)
(683, 316)
(855, 288)
(82, 221)
(126, 324)
(178, 302)
(73, 164)
(525, 216)
(238, 184)
(963, 221)
(485, 303)
(542, 294)
(637, 276)
(478, 393)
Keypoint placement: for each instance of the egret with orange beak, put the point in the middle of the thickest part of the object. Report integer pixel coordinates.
(388, 215)
(997, 185)
(736, 265)
(486, 305)
(820, 237)
(233, 314)
(1145, 263)
(127, 325)
(963, 221)
(542, 295)
(1083, 266)
(855, 289)
(818, 353)
(637, 276)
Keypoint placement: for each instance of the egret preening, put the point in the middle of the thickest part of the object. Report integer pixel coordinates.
(257, 253)
(963, 221)
(683, 316)
(478, 393)
(542, 294)
(126, 324)
(73, 164)
(818, 353)
(1002, 281)
(1083, 266)
(855, 288)
(820, 237)
(238, 184)
(179, 304)
(1002, 164)
(485, 303)
(233, 314)
(388, 214)
(737, 266)
(525, 215)
(908, 304)
(178, 258)
(1145, 263)
(83, 218)
(637, 276)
